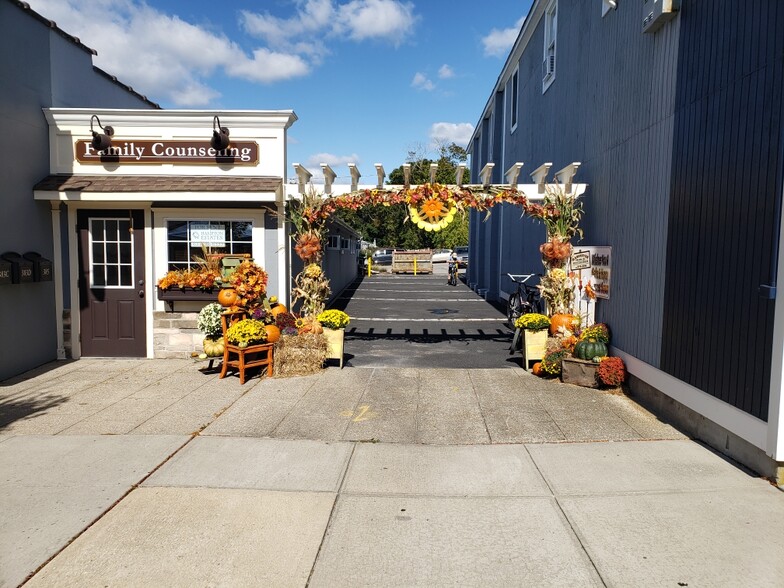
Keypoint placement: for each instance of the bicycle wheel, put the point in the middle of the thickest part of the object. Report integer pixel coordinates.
(513, 307)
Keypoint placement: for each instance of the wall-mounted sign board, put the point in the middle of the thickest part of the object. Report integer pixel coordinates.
(144, 152)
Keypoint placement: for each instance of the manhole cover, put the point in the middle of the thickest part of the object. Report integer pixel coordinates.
(442, 311)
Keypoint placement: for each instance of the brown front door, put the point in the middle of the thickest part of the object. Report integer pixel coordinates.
(111, 283)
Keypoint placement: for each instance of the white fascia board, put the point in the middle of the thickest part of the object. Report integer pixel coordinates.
(119, 117)
(523, 38)
(742, 424)
(211, 197)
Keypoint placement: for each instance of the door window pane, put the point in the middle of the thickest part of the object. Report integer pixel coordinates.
(111, 253)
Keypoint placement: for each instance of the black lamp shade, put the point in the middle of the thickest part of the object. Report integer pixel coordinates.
(220, 140)
(101, 142)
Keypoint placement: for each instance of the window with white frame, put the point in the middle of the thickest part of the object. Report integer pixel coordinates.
(111, 253)
(344, 243)
(514, 96)
(333, 242)
(187, 239)
(550, 35)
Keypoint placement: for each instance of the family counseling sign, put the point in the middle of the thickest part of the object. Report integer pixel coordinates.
(172, 152)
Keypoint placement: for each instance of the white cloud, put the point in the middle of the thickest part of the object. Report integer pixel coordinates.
(458, 133)
(358, 20)
(498, 42)
(421, 82)
(445, 72)
(161, 55)
(170, 59)
(375, 19)
(331, 159)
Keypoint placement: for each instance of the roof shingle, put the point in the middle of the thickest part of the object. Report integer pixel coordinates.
(62, 183)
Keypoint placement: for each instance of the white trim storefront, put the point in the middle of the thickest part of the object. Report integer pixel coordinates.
(162, 169)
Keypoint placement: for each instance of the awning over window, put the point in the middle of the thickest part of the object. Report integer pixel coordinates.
(158, 188)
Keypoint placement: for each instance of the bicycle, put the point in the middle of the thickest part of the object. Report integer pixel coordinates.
(524, 300)
(452, 280)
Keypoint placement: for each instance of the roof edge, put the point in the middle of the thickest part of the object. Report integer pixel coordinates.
(53, 25)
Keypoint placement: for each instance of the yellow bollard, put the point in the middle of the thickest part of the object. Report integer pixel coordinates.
(415, 266)
(369, 262)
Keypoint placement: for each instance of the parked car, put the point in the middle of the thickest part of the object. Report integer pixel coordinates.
(382, 257)
(441, 255)
(462, 256)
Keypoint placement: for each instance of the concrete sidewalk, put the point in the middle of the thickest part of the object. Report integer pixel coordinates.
(149, 473)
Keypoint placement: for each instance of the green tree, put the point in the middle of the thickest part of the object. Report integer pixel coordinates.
(387, 224)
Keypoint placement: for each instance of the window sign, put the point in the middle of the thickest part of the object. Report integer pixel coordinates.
(601, 261)
(209, 234)
(581, 260)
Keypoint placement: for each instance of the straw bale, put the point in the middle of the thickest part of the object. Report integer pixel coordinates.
(299, 355)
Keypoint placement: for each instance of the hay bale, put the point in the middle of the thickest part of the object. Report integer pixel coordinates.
(299, 355)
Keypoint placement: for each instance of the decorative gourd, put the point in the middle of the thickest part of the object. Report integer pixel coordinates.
(273, 333)
(316, 328)
(537, 369)
(566, 321)
(589, 348)
(227, 297)
(213, 347)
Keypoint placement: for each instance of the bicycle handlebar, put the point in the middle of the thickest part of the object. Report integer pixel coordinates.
(526, 277)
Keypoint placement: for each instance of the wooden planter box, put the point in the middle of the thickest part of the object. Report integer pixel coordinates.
(173, 295)
(580, 372)
(335, 344)
(188, 294)
(534, 346)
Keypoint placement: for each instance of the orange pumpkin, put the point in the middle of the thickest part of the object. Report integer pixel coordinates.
(227, 297)
(273, 333)
(277, 309)
(537, 369)
(567, 321)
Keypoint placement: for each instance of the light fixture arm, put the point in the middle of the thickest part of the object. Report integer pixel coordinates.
(220, 135)
(101, 141)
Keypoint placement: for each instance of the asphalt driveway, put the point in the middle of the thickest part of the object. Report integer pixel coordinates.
(420, 321)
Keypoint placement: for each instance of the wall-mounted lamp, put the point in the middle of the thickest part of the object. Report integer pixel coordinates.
(103, 141)
(220, 135)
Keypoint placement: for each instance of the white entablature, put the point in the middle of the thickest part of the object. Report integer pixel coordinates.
(534, 191)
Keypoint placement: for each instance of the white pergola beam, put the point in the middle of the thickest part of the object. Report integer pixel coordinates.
(566, 175)
(486, 174)
(329, 177)
(433, 170)
(459, 174)
(303, 177)
(512, 173)
(355, 175)
(381, 175)
(539, 176)
(406, 174)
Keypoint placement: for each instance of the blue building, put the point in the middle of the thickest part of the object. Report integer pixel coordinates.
(675, 111)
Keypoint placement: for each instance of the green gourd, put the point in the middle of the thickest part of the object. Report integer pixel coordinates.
(589, 348)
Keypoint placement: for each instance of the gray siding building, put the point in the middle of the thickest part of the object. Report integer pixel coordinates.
(41, 66)
(678, 122)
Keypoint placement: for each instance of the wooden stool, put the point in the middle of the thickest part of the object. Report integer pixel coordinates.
(243, 358)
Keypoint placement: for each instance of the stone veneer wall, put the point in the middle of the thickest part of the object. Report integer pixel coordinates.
(175, 335)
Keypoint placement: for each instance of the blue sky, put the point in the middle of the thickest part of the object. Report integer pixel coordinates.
(369, 80)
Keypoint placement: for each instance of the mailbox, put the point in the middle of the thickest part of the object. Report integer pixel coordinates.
(21, 268)
(42, 267)
(5, 272)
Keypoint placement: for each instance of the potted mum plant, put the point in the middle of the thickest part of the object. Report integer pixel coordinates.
(535, 327)
(334, 323)
(209, 323)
